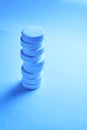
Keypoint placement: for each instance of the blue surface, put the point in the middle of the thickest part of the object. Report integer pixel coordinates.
(61, 101)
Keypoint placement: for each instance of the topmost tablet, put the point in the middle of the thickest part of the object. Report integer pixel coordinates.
(32, 34)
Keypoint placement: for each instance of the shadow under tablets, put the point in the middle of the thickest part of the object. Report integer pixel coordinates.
(13, 93)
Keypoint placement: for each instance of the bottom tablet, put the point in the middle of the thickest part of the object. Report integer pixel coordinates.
(32, 81)
(30, 86)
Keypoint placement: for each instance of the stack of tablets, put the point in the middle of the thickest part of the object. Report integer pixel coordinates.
(32, 56)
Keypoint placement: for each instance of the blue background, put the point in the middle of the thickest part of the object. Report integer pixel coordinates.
(61, 101)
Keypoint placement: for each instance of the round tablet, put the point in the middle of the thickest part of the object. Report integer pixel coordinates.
(33, 34)
(37, 64)
(30, 46)
(34, 52)
(28, 58)
(30, 86)
(29, 75)
(31, 81)
(33, 69)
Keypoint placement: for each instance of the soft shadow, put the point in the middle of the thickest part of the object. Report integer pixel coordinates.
(14, 92)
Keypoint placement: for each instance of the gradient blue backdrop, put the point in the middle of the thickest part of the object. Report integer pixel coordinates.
(61, 101)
